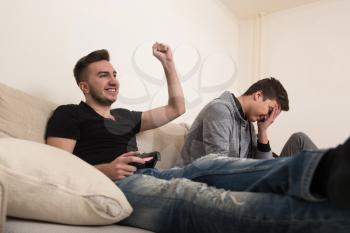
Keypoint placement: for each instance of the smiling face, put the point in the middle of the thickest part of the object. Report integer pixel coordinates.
(101, 84)
(260, 109)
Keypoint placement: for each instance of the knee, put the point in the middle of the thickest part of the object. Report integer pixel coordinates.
(299, 136)
(303, 140)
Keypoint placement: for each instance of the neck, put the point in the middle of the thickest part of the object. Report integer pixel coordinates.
(102, 110)
(243, 100)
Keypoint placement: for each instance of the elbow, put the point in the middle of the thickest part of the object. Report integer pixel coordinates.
(178, 107)
(181, 110)
(177, 112)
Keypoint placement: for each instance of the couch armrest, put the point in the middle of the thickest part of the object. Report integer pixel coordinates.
(3, 205)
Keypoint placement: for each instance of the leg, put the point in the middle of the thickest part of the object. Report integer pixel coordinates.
(304, 176)
(296, 143)
(338, 185)
(181, 205)
(235, 174)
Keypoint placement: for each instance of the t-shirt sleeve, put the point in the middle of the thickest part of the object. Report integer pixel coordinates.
(64, 123)
(136, 116)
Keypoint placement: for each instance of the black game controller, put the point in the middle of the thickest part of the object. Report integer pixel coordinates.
(152, 158)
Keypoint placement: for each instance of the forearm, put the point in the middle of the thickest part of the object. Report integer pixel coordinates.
(176, 102)
(176, 97)
(104, 168)
(262, 136)
(262, 150)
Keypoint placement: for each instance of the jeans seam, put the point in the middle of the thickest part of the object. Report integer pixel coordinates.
(225, 172)
(308, 174)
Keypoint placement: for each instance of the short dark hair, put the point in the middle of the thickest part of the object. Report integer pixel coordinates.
(84, 62)
(272, 89)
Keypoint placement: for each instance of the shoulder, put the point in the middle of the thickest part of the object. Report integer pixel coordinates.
(68, 110)
(64, 122)
(217, 109)
(223, 102)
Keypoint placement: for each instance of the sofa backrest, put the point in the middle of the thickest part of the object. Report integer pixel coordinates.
(24, 116)
(168, 140)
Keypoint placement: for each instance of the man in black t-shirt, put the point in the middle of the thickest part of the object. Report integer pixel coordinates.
(103, 136)
(165, 202)
(99, 140)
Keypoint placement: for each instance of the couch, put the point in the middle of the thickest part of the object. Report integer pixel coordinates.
(22, 125)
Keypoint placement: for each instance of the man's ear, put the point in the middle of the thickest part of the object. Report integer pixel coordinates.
(258, 95)
(84, 87)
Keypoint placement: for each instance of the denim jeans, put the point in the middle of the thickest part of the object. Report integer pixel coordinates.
(221, 194)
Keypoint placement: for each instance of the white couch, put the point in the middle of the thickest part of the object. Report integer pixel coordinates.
(23, 116)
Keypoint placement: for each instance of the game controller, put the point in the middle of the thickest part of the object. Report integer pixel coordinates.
(150, 158)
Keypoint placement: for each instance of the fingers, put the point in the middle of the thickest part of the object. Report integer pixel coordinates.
(269, 119)
(279, 109)
(121, 171)
(160, 47)
(120, 166)
(130, 157)
(276, 111)
(122, 175)
(130, 153)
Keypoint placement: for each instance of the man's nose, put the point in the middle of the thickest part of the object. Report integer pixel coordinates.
(112, 81)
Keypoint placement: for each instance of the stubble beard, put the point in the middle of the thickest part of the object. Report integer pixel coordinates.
(100, 99)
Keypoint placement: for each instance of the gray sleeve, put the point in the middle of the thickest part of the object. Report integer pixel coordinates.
(256, 153)
(216, 129)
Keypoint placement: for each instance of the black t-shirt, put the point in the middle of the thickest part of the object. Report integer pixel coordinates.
(99, 140)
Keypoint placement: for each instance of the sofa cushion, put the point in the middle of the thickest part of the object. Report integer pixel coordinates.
(168, 140)
(22, 115)
(49, 184)
(14, 225)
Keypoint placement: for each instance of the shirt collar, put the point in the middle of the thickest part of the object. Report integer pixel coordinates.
(239, 106)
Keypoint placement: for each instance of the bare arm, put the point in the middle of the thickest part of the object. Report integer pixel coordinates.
(62, 143)
(116, 170)
(176, 103)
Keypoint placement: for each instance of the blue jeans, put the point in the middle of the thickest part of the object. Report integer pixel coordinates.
(221, 194)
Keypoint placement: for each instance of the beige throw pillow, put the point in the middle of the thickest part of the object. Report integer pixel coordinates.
(49, 184)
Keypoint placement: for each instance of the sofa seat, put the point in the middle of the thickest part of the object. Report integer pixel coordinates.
(14, 225)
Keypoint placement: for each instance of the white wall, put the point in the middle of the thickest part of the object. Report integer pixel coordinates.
(249, 57)
(308, 49)
(40, 41)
